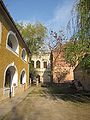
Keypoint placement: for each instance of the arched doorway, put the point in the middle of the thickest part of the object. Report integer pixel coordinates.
(23, 77)
(38, 78)
(11, 79)
(8, 78)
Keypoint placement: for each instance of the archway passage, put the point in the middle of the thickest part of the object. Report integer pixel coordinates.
(11, 77)
(38, 78)
(23, 77)
(8, 78)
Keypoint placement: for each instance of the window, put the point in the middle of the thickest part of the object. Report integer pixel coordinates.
(23, 77)
(12, 42)
(0, 31)
(24, 55)
(32, 62)
(38, 64)
(45, 64)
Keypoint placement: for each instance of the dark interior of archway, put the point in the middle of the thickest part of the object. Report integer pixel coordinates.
(38, 77)
(22, 76)
(21, 79)
(8, 78)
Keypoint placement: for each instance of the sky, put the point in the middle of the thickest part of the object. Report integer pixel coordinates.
(54, 14)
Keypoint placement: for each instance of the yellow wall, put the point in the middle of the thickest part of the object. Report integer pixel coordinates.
(7, 57)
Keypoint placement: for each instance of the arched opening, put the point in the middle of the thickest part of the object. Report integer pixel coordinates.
(23, 77)
(32, 63)
(38, 64)
(44, 64)
(11, 77)
(38, 78)
(12, 42)
(8, 78)
(24, 55)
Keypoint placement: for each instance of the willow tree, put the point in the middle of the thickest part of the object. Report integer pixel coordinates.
(83, 21)
(83, 17)
(79, 45)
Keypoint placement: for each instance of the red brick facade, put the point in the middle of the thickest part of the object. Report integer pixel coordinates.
(60, 69)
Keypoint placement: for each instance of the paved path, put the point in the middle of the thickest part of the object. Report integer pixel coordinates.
(40, 105)
(8, 104)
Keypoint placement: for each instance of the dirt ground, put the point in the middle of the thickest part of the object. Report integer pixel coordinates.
(43, 104)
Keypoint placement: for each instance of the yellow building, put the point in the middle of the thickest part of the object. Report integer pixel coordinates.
(14, 55)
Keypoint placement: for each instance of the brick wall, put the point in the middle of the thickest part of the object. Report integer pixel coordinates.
(61, 70)
(83, 76)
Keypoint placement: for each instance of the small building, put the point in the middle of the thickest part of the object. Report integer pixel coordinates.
(14, 56)
(42, 64)
(61, 70)
(82, 74)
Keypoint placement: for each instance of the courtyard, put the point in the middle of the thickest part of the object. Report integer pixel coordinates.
(51, 103)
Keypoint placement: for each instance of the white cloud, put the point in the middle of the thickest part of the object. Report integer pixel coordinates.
(25, 22)
(61, 16)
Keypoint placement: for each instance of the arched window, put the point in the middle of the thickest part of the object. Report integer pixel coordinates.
(23, 77)
(24, 55)
(12, 42)
(45, 64)
(32, 62)
(38, 64)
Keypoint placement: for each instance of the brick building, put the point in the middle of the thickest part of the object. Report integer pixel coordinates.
(61, 70)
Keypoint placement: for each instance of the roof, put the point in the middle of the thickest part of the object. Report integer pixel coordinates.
(13, 23)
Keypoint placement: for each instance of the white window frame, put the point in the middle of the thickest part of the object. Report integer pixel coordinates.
(23, 82)
(8, 47)
(25, 55)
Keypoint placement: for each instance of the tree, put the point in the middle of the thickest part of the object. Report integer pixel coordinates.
(73, 52)
(83, 19)
(79, 44)
(58, 63)
(33, 35)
